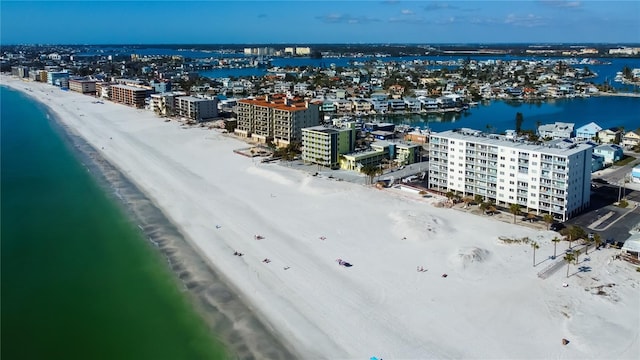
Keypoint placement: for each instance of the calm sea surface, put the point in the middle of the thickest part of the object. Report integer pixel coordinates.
(606, 111)
(79, 281)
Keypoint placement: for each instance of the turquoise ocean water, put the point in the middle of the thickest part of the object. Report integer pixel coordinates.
(79, 281)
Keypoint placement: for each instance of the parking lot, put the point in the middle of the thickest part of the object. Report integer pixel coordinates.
(610, 221)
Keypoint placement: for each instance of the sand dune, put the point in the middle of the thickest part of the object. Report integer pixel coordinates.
(490, 305)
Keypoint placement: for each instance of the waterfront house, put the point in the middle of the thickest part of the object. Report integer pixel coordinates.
(587, 132)
(610, 152)
(396, 105)
(558, 130)
(610, 136)
(428, 103)
(631, 138)
(413, 105)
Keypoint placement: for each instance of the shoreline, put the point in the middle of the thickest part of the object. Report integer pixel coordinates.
(491, 304)
(214, 299)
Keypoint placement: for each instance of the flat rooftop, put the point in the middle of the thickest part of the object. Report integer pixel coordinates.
(555, 148)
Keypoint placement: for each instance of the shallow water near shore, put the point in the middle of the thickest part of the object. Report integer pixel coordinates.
(79, 280)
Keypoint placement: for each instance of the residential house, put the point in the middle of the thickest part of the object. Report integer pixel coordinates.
(610, 152)
(631, 138)
(558, 130)
(610, 136)
(597, 162)
(588, 131)
(396, 105)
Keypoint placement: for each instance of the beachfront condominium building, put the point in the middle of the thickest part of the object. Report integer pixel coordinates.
(197, 109)
(545, 178)
(58, 78)
(275, 118)
(83, 86)
(128, 95)
(164, 104)
(324, 145)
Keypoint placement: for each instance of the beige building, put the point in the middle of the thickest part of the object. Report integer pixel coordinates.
(128, 95)
(275, 118)
(197, 109)
(83, 86)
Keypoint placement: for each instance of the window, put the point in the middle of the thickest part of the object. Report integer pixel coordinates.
(501, 188)
(534, 163)
(511, 182)
(512, 167)
(510, 197)
(535, 155)
(501, 172)
(502, 158)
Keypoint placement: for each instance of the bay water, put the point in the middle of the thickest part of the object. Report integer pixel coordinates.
(79, 280)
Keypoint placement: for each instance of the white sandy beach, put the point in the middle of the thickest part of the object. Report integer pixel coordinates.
(492, 304)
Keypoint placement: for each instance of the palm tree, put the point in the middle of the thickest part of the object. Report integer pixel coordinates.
(588, 240)
(548, 218)
(534, 246)
(478, 199)
(555, 240)
(318, 161)
(515, 210)
(577, 255)
(569, 258)
(597, 240)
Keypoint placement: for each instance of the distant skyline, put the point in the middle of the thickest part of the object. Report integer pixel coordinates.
(309, 22)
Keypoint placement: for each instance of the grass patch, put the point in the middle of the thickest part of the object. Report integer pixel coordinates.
(625, 160)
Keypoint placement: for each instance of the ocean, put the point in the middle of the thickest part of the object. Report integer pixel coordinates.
(79, 279)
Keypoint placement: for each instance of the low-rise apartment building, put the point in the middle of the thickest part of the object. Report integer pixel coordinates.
(553, 179)
(197, 109)
(83, 86)
(128, 95)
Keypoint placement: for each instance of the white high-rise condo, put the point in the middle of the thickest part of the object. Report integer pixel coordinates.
(545, 178)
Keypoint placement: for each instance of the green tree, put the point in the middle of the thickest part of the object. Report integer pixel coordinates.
(371, 171)
(534, 246)
(548, 219)
(519, 121)
(450, 195)
(515, 210)
(477, 199)
(555, 240)
(569, 258)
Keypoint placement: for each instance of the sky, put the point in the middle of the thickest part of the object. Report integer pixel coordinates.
(312, 22)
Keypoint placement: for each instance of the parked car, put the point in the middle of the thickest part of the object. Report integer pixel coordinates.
(556, 227)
